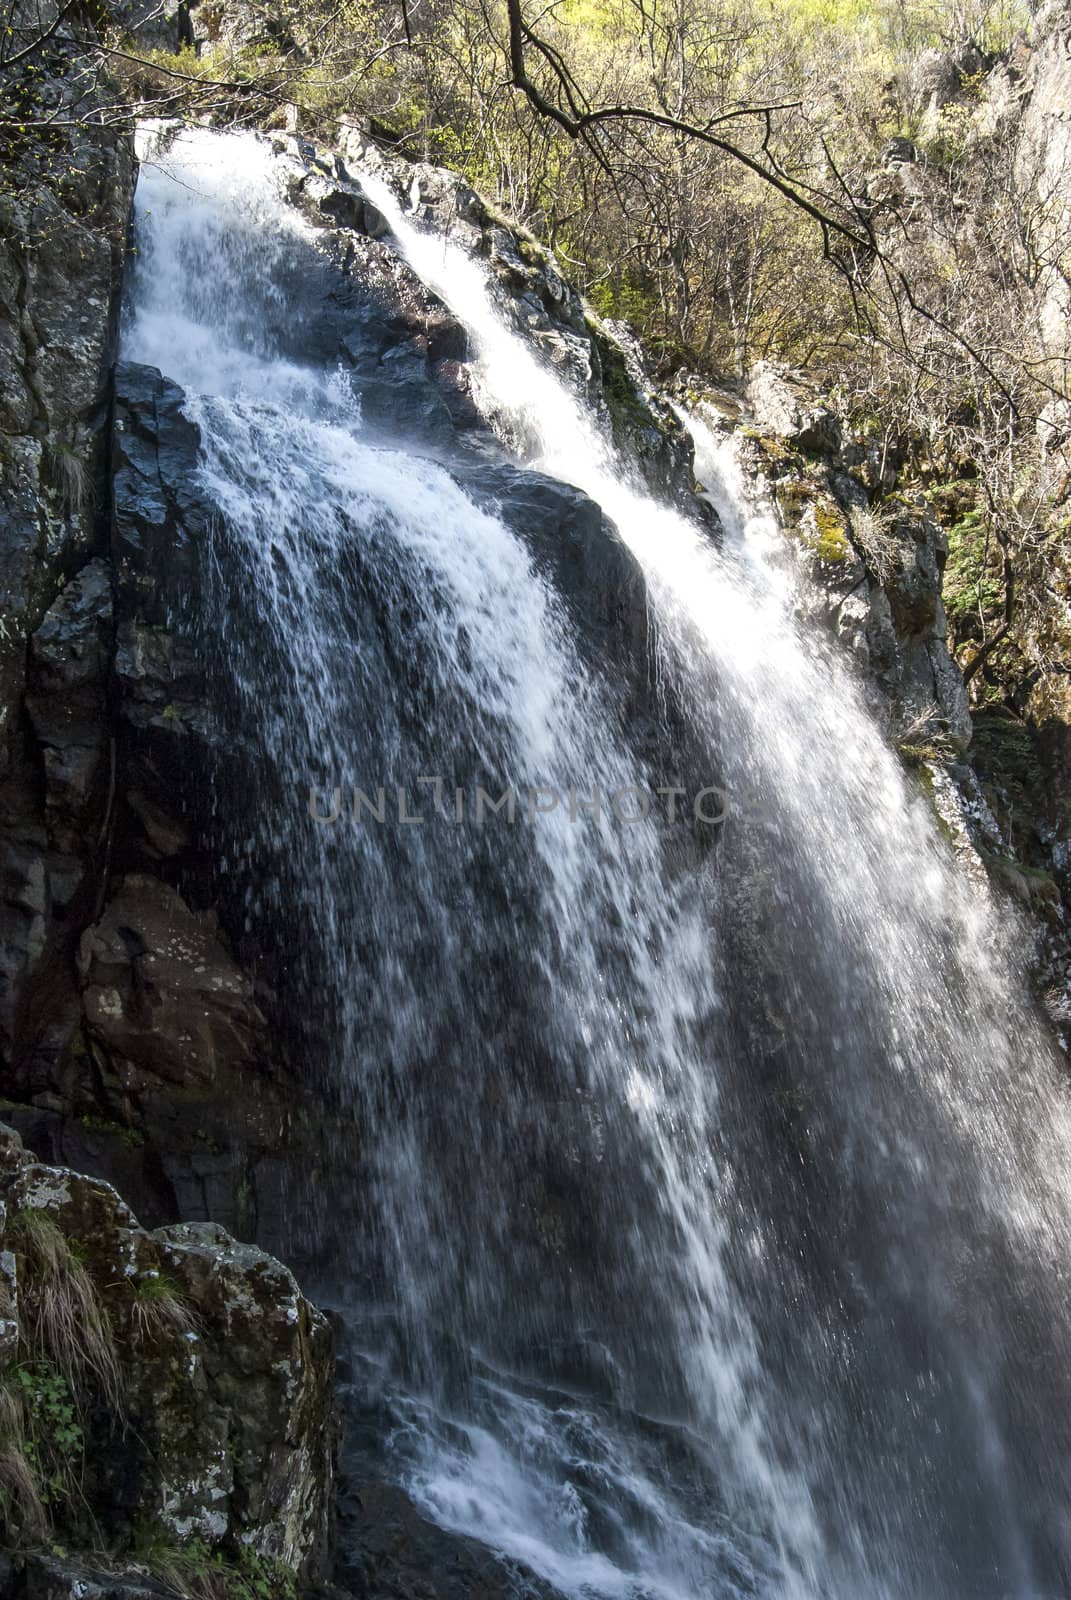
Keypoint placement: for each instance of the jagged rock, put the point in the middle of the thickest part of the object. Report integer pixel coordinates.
(62, 240)
(52, 1577)
(876, 570)
(391, 1552)
(222, 1385)
(787, 405)
(160, 526)
(268, 1369)
(158, 520)
(63, 217)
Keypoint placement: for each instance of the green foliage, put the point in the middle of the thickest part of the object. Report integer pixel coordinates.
(66, 1365)
(42, 1451)
(194, 1567)
(154, 1286)
(1006, 757)
(184, 63)
(54, 1435)
(973, 583)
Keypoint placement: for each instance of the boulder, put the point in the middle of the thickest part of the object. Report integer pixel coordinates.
(201, 1355)
(265, 1369)
(787, 405)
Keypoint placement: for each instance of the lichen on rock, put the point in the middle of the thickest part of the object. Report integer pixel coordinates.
(171, 1390)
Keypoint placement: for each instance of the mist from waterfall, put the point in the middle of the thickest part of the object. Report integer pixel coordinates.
(718, 1197)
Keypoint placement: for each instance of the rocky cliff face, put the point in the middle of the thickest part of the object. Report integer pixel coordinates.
(146, 1031)
(137, 1044)
(165, 1397)
(1008, 123)
(64, 208)
(874, 559)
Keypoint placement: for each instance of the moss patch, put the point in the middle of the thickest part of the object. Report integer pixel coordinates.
(823, 530)
(973, 586)
(832, 543)
(1006, 759)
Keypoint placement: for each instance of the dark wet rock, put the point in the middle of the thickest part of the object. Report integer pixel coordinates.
(62, 240)
(160, 991)
(63, 218)
(67, 698)
(587, 564)
(159, 528)
(389, 1551)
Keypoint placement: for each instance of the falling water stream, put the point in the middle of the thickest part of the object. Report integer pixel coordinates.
(718, 1190)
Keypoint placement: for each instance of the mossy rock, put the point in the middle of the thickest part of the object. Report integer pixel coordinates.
(532, 251)
(773, 448)
(176, 1383)
(793, 496)
(824, 531)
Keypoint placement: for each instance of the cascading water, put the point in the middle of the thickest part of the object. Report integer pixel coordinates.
(717, 1199)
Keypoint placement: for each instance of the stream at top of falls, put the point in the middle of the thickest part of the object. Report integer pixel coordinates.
(716, 1193)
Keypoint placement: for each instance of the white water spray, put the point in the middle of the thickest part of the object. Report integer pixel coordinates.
(917, 993)
(777, 1143)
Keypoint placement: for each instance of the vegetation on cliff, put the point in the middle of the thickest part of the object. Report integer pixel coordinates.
(877, 193)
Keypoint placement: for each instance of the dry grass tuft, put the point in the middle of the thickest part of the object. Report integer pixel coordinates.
(61, 1311)
(22, 1511)
(159, 1312)
(69, 477)
(880, 548)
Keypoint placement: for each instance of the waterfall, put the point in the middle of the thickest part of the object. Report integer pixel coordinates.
(717, 1189)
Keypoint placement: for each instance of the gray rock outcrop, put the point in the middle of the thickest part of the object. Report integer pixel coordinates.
(196, 1377)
